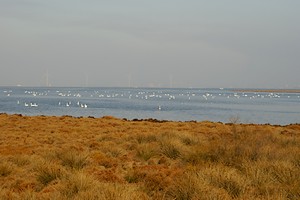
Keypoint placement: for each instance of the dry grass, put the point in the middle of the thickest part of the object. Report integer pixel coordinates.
(5, 168)
(73, 159)
(48, 172)
(108, 158)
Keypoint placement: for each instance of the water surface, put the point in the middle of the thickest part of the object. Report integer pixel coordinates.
(168, 104)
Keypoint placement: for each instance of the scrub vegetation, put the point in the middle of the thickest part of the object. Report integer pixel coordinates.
(108, 158)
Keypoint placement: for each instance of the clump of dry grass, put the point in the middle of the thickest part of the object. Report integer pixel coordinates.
(72, 158)
(147, 151)
(104, 160)
(48, 172)
(226, 178)
(170, 145)
(191, 185)
(76, 183)
(112, 191)
(170, 149)
(146, 138)
(20, 160)
(80, 185)
(6, 168)
(154, 180)
(133, 176)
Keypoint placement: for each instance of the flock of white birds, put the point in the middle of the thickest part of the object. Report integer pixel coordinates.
(143, 95)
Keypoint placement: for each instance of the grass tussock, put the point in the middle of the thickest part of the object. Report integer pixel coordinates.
(72, 158)
(75, 184)
(5, 169)
(109, 158)
(147, 151)
(170, 149)
(20, 160)
(48, 172)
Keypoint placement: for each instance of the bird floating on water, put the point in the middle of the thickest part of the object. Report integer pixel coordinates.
(83, 106)
(33, 105)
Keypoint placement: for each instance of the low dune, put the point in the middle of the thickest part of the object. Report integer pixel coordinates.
(48, 157)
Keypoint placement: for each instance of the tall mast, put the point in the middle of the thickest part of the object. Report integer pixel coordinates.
(47, 78)
(129, 80)
(171, 81)
(86, 80)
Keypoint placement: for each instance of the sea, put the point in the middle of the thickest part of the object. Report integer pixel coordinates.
(176, 104)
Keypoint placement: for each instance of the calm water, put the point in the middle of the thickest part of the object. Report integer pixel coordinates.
(169, 104)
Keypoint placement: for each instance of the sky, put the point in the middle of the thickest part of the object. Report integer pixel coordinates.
(157, 43)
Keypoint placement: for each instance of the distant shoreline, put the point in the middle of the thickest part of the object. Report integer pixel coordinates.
(109, 87)
(270, 90)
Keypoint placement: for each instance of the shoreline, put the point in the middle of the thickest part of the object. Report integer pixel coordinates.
(166, 88)
(153, 120)
(269, 90)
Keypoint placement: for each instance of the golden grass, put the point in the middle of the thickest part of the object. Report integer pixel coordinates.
(108, 158)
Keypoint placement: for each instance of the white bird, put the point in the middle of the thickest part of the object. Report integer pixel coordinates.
(26, 104)
(83, 106)
(159, 107)
(33, 105)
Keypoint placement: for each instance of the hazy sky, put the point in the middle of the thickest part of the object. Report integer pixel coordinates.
(191, 43)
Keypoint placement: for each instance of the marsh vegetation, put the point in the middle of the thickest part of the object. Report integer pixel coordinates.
(108, 158)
